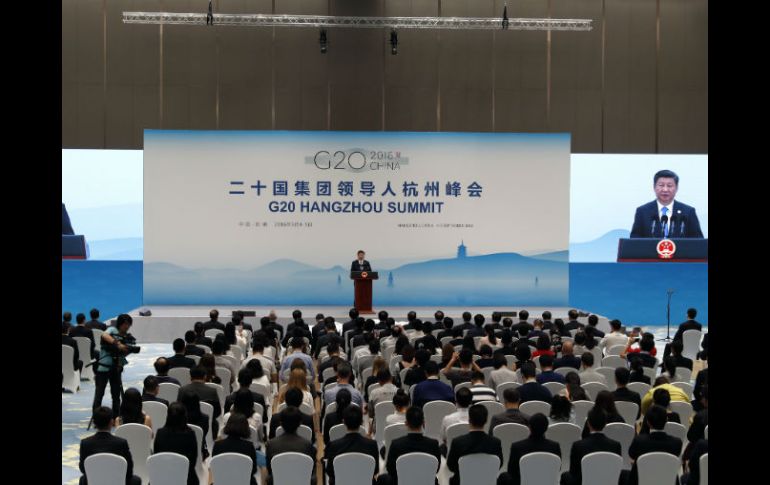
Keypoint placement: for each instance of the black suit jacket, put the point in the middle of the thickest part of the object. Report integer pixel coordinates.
(150, 397)
(289, 442)
(411, 443)
(179, 442)
(192, 349)
(625, 394)
(649, 443)
(350, 443)
(105, 442)
(681, 212)
(212, 324)
(532, 391)
(688, 325)
(258, 398)
(237, 445)
(203, 340)
(595, 442)
(700, 448)
(567, 361)
(354, 266)
(508, 416)
(647, 359)
(96, 324)
(525, 447)
(180, 361)
(205, 393)
(468, 444)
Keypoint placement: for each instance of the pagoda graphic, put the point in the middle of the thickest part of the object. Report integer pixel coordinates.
(462, 250)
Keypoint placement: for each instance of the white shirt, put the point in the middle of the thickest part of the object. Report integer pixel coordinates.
(459, 416)
(612, 339)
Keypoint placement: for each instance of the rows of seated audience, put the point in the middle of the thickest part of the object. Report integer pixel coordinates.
(387, 389)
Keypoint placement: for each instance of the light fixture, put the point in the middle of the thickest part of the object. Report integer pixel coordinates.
(393, 42)
(323, 41)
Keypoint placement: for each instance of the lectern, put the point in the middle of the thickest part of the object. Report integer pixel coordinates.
(643, 250)
(73, 247)
(362, 281)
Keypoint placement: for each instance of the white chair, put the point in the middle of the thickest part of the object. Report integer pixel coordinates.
(208, 410)
(533, 407)
(624, 434)
(231, 469)
(97, 339)
(601, 468)
(510, 360)
(706, 432)
(487, 371)
(629, 411)
(139, 439)
(236, 352)
(566, 370)
(168, 391)
(684, 409)
(614, 361)
(691, 343)
(262, 390)
(657, 467)
(224, 374)
(704, 469)
(593, 388)
(597, 353)
(453, 431)
(493, 407)
(381, 411)
(502, 387)
(212, 333)
(157, 411)
(640, 388)
(683, 374)
(554, 387)
(461, 385)
(195, 358)
(615, 350)
(581, 412)
(434, 412)
(565, 434)
(509, 433)
(182, 374)
(339, 430)
(290, 468)
(71, 377)
(609, 376)
(651, 372)
(539, 468)
(303, 431)
(416, 469)
(221, 394)
(200, 468)
(167, 469)
(353, 468)
(84, 349)
(479, 468)
(685, 386)
(676, 429)
(105, 468)
(391, 433)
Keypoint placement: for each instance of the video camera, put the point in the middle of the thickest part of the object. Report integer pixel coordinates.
(129, 341)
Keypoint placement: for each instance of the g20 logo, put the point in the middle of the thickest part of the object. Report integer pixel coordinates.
(339, 160)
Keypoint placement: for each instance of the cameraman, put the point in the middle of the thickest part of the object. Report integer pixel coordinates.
(111, 361)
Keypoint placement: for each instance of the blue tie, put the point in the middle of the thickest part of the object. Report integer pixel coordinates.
(665, 227)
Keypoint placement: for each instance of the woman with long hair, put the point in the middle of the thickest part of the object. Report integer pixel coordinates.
(209, 364)
(490, 339)
(562, 410)
(131, 409)
(298, 380)
(378, 364)
(606, 404)
(192, 403)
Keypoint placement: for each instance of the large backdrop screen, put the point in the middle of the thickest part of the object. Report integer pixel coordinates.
(277, 217)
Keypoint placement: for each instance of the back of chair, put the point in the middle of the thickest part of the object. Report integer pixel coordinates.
(565, 370)
(237, 352)
(461, 385)
(554, 387)
(533, 407)
(434, 412)
(706, 432)
(683, 374)
(453, 431)
(640, 388)
(685, 411)
(392, 432)
(231, 469)
(199, 440)
(224, 374)
(182, 374)
(208, 410)
(509, 433)
(167, 469)
(628, 410)
(303, 431)
(157, 411)
(691, 343)
(657, 468)
(493, 407)
(291, 468)
(593, 388)
(615, 350)
(581, 411)
(84, 349)
(262, 390)
(353, 468)
(212, 333)
(479, 469)
(139, 439)
(650, 372)
(624, 434)
(168, 391)
(704, 469)
(539, 468)
(70, 377)
(609, 376)
(601, 468)
(685, 386)
(565, 434)
(220, 394)
(105, 469)
(676, 429)
(417, 469)
(97, 338)
(381, 411)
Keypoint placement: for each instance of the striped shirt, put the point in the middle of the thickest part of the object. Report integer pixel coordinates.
(481, 392)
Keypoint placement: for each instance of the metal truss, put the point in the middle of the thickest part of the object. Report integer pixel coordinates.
(316, 21)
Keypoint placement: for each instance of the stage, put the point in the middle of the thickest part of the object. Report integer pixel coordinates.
(169, 322)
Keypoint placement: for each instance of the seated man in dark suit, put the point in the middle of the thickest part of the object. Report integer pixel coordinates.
(531, 390)
(522, 327)
(448, 330)
(245, 378)
(179, 359)
(511, 413)
(213, 321)
(536, 442)
(623, 393)
(596, 441)
(200, 335)
(656, 441)
(567, 359)
(677, 347)
(666, 217)
(432, 389)
(94, 322)
(198, 386)
(572, 323)
(80, 330)
(289, 441)
(593, 321)
(693, 477)
(67, 340)
(190, 347)
(352, 442)
(150, 390)
(689, 324)
(476, 441)
(293, 398)
(104, 442)
(161, 371)
(413, 442)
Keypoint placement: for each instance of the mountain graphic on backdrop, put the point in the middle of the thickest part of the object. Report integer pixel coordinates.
(602, 249)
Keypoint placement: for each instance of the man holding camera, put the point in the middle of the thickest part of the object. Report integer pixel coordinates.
(116, 344)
